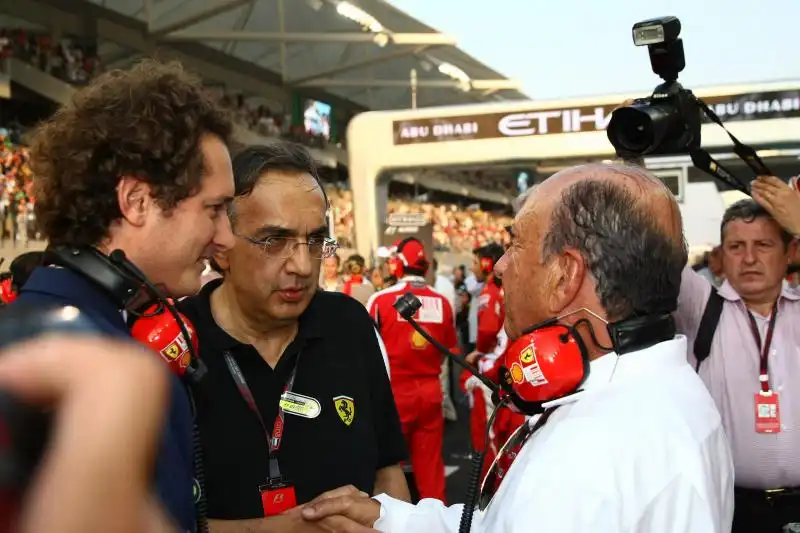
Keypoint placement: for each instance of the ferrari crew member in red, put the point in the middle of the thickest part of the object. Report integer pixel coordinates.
(481, 405)
(491, 312)
(415, 364)
(491, 315)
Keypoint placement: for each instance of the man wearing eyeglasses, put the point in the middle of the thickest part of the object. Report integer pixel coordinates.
(297, 398)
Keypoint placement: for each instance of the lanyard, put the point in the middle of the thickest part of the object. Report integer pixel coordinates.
(510, 450)
(273, 440)
(764, 364)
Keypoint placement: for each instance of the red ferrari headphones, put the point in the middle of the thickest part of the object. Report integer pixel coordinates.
(488, 256)
(550, 360)
(395, 266)
(158, 324)
(7, 291)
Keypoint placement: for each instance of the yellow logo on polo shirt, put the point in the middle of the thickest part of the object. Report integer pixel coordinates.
(345, 408)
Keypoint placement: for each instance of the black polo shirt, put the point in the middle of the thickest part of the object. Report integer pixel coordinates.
(339, 356)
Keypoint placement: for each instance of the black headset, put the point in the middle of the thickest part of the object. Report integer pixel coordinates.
(125, 284)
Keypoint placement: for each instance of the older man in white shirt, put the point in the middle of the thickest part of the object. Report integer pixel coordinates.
(639, 448)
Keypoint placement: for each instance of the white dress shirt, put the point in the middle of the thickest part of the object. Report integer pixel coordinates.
(445, 287)
(640, 450)
(474, 288)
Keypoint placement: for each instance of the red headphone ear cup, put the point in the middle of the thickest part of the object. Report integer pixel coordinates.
(158, 330)
(395, 267)
(546, 364)
(487, 265)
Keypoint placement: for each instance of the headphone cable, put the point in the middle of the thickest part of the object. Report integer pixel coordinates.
(473, 486)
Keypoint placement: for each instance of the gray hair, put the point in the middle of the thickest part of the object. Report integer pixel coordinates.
(250, 165)
(634, 261)
(748, 210)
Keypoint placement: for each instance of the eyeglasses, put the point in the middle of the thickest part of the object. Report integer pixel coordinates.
(284, 247)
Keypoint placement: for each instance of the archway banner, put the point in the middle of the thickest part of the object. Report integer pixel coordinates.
(730, 108)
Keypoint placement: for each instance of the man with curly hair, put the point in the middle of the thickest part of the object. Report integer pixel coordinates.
(137, 162)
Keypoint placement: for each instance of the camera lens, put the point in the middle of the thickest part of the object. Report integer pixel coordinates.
(635, 131)
(642, 128)
(631, 130)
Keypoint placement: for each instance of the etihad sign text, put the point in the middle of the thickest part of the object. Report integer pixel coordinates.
(560, 121)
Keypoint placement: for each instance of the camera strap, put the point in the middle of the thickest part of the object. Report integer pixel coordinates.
(703, 160)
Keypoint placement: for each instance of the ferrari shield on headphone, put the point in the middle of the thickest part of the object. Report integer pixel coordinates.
(551, 360)
(488, 256)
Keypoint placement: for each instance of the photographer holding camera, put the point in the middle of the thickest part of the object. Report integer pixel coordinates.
(742, 336)
(744, 342)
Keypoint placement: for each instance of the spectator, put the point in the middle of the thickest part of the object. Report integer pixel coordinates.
(747, 330)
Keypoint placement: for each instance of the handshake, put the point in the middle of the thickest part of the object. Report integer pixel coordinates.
(343, 510)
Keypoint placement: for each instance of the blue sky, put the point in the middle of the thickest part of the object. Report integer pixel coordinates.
(562, 48)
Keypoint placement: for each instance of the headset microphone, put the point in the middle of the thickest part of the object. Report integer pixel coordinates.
(408, 305)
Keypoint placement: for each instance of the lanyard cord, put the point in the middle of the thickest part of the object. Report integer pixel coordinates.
(764, 361)
(274, 438)
(491, 483)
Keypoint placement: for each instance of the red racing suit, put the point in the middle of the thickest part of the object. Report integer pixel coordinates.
(354, 280)
(491, 343)
(491, 315)
(415, 366)
(506, 421)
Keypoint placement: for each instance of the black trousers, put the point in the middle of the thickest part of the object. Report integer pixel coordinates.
(757, 511)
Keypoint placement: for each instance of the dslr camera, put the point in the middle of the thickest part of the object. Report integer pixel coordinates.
(668, 122)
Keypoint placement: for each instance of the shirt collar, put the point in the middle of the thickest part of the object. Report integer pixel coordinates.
(412, 279)
(310, 326)
(729, 293)
(611, 369)
(75, 289)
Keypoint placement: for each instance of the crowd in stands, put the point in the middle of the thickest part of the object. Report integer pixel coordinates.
(455, 228)
(16, 199)
(269, 123)
(66, 58)
(76, 63)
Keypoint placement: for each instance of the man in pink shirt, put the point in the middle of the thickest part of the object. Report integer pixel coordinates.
(752, 344)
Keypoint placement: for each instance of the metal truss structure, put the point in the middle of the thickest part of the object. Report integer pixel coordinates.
(356, 54)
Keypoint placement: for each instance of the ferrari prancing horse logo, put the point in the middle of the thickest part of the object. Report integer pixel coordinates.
(345, 408)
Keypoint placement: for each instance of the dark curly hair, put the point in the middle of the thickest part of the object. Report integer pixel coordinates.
(145, 122)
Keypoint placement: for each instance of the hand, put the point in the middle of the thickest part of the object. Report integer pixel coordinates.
(343, 510)
(293, 522)
(471, 383)
(473, 357)
(109, 401)
(626, 103)
(782, 202)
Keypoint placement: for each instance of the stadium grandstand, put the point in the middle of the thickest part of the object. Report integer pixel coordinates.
(300, 71)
